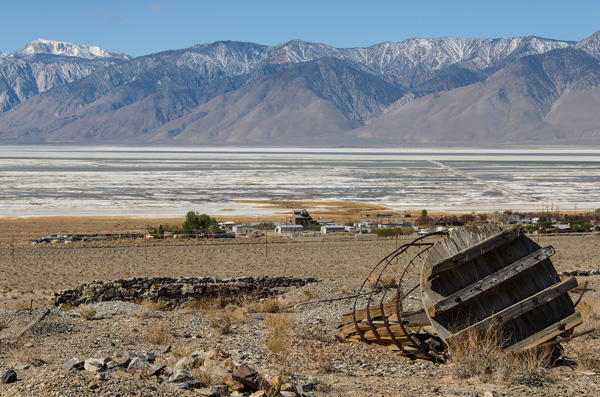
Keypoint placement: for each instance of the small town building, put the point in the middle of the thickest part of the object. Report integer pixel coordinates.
(242, 229)
(303, 218)
(289, 229)
(332, 229)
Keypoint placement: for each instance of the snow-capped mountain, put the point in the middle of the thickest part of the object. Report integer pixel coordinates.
(246, 93)
(45, 64)
(51, 47)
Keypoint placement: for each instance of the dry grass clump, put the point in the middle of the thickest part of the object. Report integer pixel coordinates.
(221, 322)
(279, 341)
(479, 353)
(87, 312)
(344, 289)
(158, 335)
(269, 305)
(159, 305)
(590, 311)
(3, 323)
(204, 305)
(221, 318)
(586, 357)
(385, 281)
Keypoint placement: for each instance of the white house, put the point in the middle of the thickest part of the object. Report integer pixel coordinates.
(332, 229)
(242, 229)
(289, 229)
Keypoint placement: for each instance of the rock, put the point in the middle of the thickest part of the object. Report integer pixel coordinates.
(9, 376)
(215, 391)
(288, 387)
(215, 367)
(199, 354)
(217, 354)
(155, 369)
(285, 393)
(308, 386)
(71, 364)
(248, 377)
(186, 385)
(260, 393)
(94, 365)
(165, 349)
(149, 356)
(22, 367)
(138, 363)
(180, 375)
(186, 363)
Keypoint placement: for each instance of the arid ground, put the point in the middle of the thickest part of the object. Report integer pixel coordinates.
(30, 273)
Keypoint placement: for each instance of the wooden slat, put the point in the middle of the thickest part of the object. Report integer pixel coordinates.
(361, 314)
(548, 333)
(412, 319)
(472, 291)
(472, 252)
(525, 305)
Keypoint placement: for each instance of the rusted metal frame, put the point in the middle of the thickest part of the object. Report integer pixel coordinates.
(399, 251)
(399, 309)
(381, 303)
(583, 291)
(387, 261)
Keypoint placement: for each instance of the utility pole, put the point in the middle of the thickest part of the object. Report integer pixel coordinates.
(266, 247)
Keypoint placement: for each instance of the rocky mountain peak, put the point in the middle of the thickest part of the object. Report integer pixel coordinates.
(591, 45)
(51, 47)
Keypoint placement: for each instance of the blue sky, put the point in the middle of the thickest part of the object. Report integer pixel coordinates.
(139, 27)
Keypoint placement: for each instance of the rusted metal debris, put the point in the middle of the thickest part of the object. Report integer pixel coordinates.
(472, 279)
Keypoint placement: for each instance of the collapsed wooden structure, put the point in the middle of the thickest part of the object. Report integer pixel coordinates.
(472, 279)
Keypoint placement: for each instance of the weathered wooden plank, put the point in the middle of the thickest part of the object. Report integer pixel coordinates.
(412, 319)
(472, 291)
(374, 310)
(472, 252)
(548, 333)
(525, 305)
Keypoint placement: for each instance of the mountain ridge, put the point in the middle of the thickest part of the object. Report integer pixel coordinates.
(245, 93)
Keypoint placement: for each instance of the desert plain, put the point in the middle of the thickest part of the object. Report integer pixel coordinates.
(31, 273)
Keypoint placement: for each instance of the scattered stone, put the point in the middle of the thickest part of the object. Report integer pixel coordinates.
(186, 385)
(248, 377)
(9, 376)
(176, 292)
(94, 365)
(138, 363)
(71, 364)
(22, 367)
(217, 354)
(180, 375)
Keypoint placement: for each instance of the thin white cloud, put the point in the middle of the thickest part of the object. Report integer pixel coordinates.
(154, 7)
(110, 18)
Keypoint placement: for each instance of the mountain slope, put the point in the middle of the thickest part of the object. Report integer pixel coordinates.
(45, 64)
(418, 90)
(531, 100)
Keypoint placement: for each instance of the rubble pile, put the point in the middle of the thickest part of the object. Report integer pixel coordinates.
(174, 292)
